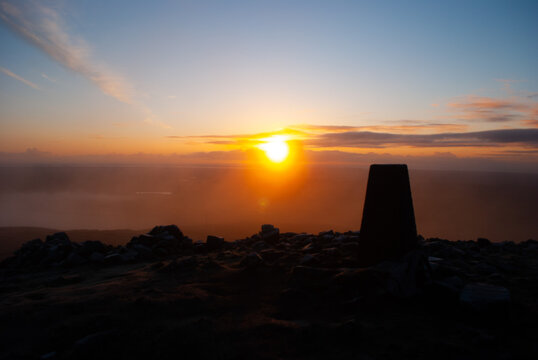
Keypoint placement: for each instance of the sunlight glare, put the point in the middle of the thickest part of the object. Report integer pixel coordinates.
(276, 148)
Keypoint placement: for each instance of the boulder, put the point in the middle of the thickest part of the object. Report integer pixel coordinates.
(89, 247)
(271, 254)
(113, 259)
(214, 242)
(169, 229)
(97, 257)
(270, 233)
(407, 276)
(483, 297)
(311, 277)
(252, 260)
(58, 238)
(75, 259)
(260, 245)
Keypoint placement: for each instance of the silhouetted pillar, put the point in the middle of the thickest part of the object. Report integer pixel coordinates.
(388, 228)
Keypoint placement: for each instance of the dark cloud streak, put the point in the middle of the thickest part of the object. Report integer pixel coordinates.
(367, 139)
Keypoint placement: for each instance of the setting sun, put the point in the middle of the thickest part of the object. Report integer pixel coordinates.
(276, 148)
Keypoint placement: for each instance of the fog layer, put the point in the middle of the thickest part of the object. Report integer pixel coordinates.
(233, 202)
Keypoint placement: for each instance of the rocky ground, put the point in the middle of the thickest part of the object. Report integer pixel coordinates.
(270, 296)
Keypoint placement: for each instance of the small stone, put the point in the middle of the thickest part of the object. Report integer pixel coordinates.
(485, 269)
(129, 256)
(308, 259)
(482, 297)
(97, 257)
(113, 259)
(58, 238)
(144, 252)
(89, 247)
(267, 228)
(49, 356)
(271, 254)
(307, 276)
(251, 260)
(75, 259)
(260, 245)
(270, 233)
(214, 242)
(169, 229)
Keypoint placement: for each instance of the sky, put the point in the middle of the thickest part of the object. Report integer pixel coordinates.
(453, 83)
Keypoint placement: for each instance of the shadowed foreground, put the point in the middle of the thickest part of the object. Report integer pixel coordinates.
(268, 296)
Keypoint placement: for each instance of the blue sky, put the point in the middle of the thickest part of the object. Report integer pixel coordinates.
(144, 71)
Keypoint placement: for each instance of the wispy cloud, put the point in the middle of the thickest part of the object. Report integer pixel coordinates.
(487, 109)
(45, 76)
(43, 27)
(20, 78)
(404, 126)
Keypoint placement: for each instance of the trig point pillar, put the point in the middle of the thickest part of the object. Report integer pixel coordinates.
(388, 228)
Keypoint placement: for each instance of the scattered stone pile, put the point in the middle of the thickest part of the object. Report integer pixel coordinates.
(471, 272)
(287, 288)
(58, 251)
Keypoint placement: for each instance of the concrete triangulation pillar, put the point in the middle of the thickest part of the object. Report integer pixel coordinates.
(388, 228)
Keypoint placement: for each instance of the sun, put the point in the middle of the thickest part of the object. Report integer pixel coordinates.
(276, 148)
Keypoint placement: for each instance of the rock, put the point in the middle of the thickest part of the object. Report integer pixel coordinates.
(144, 239)
(451, 252)
(388, 227)
(129, 256)
(97, 257)
(113, 259)
(66, 280)
(75, 259)
(293, 298)
(446, 290)
(260, 245)
(308, 259)
(482, 242)
(143, 252)
(58, 252)
(362, 282)
(269, 233)
(311, 277)
(271, 254)
(90, 246)
(200, 247)
(341, 238)
(349, 247)
(484, 297)
(58, 238)
(169, 229)
(328, 233)
(163, 241)
(49, 356)
(267, 228)
(434, 262)
(251, 260)
(407, 276)
(185, 263)
(93, 345)
(160, 252)
(309, 247)
(214, 242)
(485, 269)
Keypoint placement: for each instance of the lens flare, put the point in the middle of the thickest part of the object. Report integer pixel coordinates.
(276, 148)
